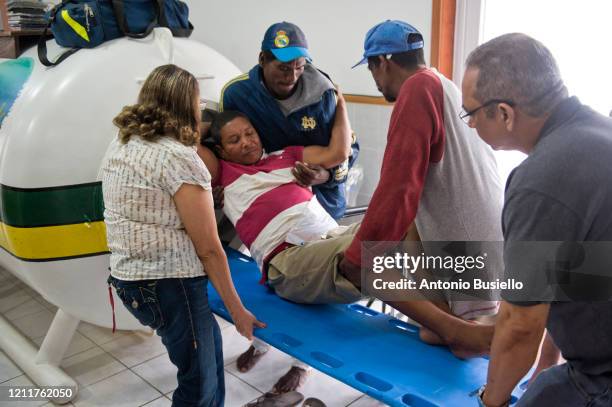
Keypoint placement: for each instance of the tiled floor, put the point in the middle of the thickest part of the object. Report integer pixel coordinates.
(132, 369)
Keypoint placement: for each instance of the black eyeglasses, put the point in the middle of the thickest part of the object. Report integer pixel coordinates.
(465, 116)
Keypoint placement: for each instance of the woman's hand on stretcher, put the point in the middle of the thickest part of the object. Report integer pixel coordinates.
(195, 207)
(245, 322)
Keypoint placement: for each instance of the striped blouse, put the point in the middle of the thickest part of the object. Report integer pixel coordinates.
(145, 234)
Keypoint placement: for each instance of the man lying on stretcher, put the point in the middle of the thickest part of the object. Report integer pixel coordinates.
(296, 244)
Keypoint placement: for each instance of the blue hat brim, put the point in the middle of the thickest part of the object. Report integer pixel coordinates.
(291, 53)
(363, 61)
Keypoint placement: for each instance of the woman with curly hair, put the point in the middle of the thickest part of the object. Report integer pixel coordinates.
(162, 233)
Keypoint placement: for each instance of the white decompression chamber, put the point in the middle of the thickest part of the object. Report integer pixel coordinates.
(55, 127)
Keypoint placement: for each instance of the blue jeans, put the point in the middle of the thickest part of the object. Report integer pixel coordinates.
(178, 310)
(562, 385)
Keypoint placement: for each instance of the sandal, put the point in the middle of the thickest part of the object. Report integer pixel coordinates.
(290, 399)
(248, 359)
(313, 402)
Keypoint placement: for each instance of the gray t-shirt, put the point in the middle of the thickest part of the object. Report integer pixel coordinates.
(561, 192)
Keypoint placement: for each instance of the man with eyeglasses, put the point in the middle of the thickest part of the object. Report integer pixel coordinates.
(438, 181)
(515, 98)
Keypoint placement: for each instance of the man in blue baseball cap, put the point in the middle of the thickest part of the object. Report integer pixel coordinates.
(286, 41)
(438, 181)
(290, 103)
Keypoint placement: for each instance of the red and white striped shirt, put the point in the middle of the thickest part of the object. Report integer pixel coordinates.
(266, 205)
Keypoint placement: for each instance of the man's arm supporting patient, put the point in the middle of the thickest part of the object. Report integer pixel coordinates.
(339, 147)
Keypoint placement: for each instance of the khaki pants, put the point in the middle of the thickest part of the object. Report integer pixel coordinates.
(309, 273)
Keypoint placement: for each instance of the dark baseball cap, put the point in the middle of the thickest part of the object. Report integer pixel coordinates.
(286, 41)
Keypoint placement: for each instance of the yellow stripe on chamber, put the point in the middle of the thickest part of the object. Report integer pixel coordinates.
(78, 28)
(50, 243)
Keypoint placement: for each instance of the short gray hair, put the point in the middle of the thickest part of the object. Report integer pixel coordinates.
(518, 68)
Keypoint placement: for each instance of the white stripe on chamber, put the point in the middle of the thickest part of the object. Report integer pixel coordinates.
(240, 194)
(275, 232)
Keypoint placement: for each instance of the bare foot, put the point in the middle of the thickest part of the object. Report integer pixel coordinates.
(248, 359)
(472, 341)
(292, 380)
(430, 337)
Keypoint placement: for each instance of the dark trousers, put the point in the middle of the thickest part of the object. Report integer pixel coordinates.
(178, 310)
(562, 385)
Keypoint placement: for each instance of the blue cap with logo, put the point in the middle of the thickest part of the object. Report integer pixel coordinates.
(389, 37)
(286, 41)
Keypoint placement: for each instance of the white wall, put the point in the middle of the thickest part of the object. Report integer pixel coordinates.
(481, 20)
(335, 30)
(370, 123)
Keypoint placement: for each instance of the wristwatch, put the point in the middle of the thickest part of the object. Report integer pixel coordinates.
(481, 403)
(479, 395)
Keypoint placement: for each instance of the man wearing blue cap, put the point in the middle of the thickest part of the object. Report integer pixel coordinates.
(290, 103)
(438, 181)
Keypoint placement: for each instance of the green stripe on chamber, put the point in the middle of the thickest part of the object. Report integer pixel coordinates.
(63, 205)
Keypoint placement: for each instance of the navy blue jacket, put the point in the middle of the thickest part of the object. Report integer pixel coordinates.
(310, 125)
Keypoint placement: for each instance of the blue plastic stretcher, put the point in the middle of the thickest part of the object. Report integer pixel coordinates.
(372, 352)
